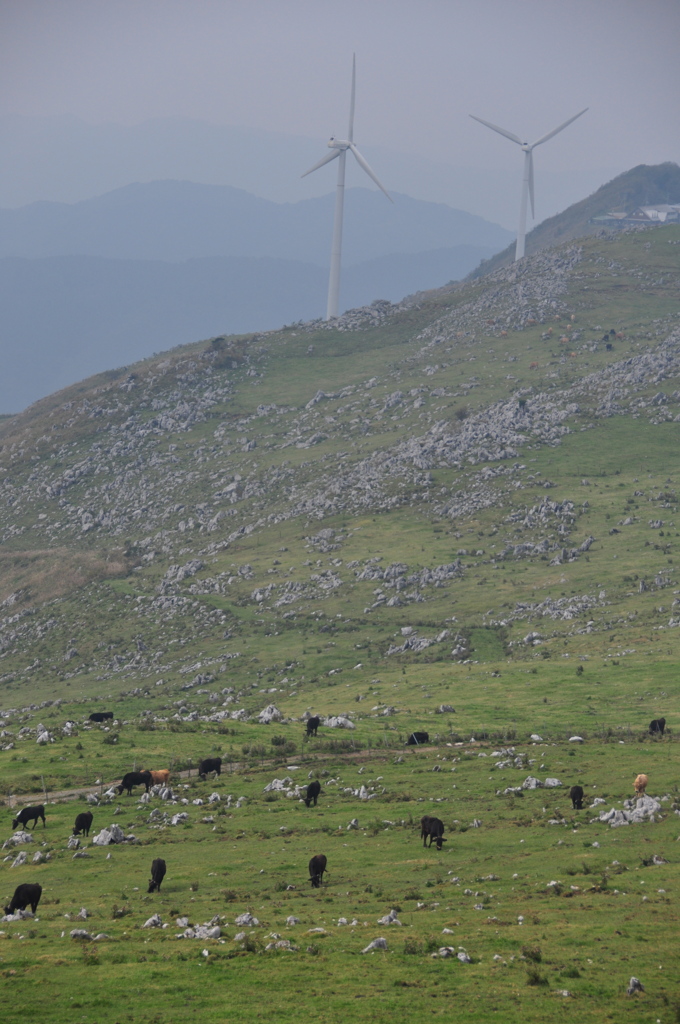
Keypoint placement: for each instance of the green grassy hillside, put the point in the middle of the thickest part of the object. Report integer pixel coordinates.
(456, 515)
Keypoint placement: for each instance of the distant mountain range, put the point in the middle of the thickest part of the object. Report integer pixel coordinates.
(67, 159)
(111, 280)
(180, 220)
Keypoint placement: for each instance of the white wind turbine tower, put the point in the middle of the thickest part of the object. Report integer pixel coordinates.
(339, 149)
(528, 180)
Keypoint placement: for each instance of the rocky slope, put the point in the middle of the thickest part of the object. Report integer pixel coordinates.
(403, 455)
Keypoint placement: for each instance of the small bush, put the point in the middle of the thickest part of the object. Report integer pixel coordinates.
(251, 944)
(413, 948)
(254, 749)
(90, 956)
(532, 953)
(341, 746)
(571, 972)
(194, 886)
(313, 950)
(534, 977)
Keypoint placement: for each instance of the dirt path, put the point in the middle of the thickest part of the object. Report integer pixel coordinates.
(73, 794)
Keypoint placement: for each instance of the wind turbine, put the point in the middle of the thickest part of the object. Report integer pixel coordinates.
(339, 149)
(528, 179)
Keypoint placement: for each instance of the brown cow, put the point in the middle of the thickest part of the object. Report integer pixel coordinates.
(160, 777)
(640, 784)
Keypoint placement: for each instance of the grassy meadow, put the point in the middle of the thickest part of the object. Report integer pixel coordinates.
(555, 910)
(609, 916)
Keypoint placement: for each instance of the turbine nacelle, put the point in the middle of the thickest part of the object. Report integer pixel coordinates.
(338, 144)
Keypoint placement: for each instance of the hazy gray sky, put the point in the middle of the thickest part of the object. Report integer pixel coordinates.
(423, 65)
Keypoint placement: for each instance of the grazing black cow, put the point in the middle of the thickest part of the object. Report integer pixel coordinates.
(576, 797)
(135, 779)
(313, 790)
(312, 725)
(416, 738)
(657, 725)
(27, 814)
(609, 346)
(434, 828)
(317, 866)
(209, 764)
(158, 870)
(101, 716)
(27, 892)
(83, 823)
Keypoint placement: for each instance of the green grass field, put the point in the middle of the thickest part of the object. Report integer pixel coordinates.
(556, 614)
(609, 917)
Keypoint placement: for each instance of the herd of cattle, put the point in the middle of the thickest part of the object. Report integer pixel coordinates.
(29, 893)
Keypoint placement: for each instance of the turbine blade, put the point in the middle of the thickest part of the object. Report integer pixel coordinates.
(531, 183)
(350, 135)
(544, 138)
(326, 160)
(362, 163)
(501, 131)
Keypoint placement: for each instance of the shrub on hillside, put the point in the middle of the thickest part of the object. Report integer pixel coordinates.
(534, 977)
